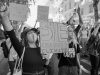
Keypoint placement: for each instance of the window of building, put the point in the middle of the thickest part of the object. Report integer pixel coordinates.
(69, 5)
(82, 11)
(90, 8)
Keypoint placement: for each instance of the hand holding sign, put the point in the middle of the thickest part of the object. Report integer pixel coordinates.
(47, 56)
(2, 7)
(4, 10)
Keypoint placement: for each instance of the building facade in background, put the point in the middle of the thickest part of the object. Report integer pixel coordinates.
(87, 10)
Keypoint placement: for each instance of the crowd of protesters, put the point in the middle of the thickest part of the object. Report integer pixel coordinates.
(81, 40)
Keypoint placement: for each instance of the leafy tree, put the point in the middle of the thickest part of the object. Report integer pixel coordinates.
(95, 5)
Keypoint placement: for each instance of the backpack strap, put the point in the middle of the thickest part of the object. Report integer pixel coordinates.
(10, 47)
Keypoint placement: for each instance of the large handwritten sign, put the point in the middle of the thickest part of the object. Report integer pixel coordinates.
(42, 13)
(53, 37)
(18, 12)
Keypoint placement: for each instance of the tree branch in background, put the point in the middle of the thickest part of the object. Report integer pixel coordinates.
(95, 5)
(96, 30)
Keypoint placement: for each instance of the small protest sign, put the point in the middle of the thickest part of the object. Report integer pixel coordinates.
(42, 13)
(18, 12)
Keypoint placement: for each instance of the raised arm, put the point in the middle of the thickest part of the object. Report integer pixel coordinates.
(19, 29)
(70, 21)
(9, 29)
(80, 18)
(80, 21)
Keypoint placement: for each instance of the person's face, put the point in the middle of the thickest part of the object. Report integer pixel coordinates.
(32, 36)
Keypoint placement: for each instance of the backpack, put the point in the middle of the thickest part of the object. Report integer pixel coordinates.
(5, 49)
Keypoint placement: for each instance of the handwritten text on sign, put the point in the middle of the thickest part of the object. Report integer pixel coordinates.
(18, 12)
(53, 37)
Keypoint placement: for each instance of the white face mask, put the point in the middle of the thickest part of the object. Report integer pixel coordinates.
(32, 36)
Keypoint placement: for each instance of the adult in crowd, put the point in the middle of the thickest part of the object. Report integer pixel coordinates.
(69, 63)
(83, 40)
(9, 51)
(94, 49)
(12, 56)
(33, 63)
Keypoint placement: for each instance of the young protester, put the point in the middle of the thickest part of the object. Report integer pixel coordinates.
(71, 21)
(69, 63)
(33, 63)
(75, 32)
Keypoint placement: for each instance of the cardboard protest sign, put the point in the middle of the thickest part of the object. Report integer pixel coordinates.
(53, 37)
(18, 12)
(42, 13)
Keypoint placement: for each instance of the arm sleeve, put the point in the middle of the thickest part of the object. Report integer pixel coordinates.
(15, 42)
(77, 29)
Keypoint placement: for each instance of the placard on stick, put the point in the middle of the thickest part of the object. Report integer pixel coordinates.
(18, 12)
(53, 37)
(42, 13)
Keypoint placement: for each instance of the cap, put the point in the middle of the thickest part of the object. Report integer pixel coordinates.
(23, 34)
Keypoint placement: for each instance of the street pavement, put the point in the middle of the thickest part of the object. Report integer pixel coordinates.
(85, 65)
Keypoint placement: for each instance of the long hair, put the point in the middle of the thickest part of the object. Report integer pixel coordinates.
(25, 41)
(74, 37)
(75, 40)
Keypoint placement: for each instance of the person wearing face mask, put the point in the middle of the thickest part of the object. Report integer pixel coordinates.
(33, 63)
(69, 61)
